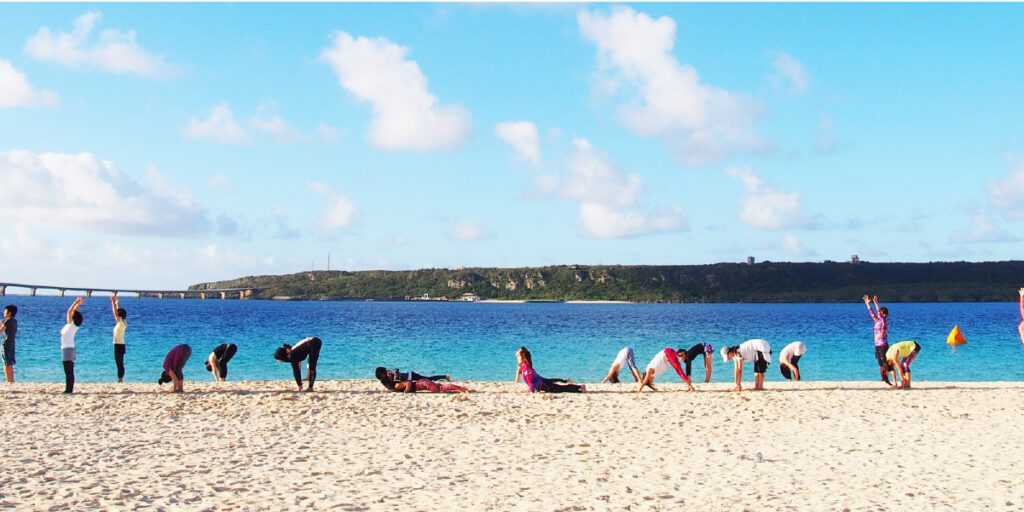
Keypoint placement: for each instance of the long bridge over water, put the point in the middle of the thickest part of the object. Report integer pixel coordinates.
(223, 293)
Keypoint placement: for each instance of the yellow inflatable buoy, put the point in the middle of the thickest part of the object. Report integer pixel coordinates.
(956, 337)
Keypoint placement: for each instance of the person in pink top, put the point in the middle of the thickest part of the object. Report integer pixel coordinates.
(881, 317)
(537, 383)
(659, 364)
(1020, 326)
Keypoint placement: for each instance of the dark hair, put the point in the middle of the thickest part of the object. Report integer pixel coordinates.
(281, 354)
(208, 367)
(681, 352)
(733, 349)
(381, 372)
(76, 317)
(121, 313)
(12, 309)
(884, 311)
(527, 356)
(163, 378)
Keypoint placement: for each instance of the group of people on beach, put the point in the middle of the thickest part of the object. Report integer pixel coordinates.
(893, 360)
(174, 362)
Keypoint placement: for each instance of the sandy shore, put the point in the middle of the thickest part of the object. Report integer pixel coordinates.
(256, 445)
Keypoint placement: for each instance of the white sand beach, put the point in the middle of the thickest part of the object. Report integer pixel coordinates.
(352, 446)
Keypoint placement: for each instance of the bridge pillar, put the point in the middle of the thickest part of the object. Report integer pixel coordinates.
(3, 290)
(202, 295)
(181, 295)
(138, 295)
(223, 295)
(160, 295)
(88, 293)
(60, 293)
(32, 292)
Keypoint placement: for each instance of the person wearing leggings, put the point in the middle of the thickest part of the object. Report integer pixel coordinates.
(67, 344)
(174, 363)
(391, 377)
(309, 347)
(217, 363)
(537, 383)
(429, 386)
(119, 327)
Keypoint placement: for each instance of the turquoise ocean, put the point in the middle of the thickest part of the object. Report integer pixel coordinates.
(477, 341)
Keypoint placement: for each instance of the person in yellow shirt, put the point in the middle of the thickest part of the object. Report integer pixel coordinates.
(900, 356)
(119, 327)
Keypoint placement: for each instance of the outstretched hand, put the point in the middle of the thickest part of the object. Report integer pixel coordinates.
(1021, 292)
(866, 298)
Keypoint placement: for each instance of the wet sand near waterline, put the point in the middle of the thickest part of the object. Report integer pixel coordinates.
(258, 445)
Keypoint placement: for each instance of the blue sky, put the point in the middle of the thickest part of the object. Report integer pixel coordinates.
(157, 145)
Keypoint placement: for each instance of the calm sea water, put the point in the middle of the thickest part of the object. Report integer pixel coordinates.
(477, 341)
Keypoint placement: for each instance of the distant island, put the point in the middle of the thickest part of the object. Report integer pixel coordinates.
(763, 282)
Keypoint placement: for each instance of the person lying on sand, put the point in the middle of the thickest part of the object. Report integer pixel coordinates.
(537, 383)
(391, 377)
(427, 385)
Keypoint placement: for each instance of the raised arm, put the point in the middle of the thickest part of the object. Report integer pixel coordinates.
(867, 302)
(113, 307)
(73, 308)
(1021, 303)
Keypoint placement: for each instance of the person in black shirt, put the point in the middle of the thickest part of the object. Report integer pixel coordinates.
(217, 363)
(391, 377)
(309, 347)
(700, 349)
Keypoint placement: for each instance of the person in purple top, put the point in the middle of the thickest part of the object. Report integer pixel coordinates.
(174, 363)
(537, 383)
(881, 330)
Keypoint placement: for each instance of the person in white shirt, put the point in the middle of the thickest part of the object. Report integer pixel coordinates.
(789, 359)
(756, 350)
(67, 344)
(120, 325)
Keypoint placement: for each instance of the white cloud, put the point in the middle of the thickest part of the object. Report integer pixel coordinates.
(1007, 194)
(792, 245)
(602, 221)
(983, 230)
(15, 91)
(268, 122)
(700, 123)
(327, 133)
(340, 209)
(467, 231)
(764, 207)
(220, 126)
(115, 51)
(591, 176)
(790, 69)
(407, 116)
(608, 197)
(84, 192)
(219, 183)
(523, 137)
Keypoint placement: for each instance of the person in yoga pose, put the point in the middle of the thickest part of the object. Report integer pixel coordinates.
(536, 383)
(217, 363)
(624, 358)
(661, 362)
(308, 347)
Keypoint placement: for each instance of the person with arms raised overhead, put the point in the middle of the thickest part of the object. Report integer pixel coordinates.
(67, 344)
(881, 317)
(120, 326)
